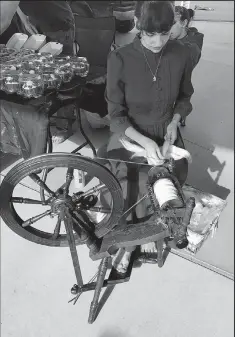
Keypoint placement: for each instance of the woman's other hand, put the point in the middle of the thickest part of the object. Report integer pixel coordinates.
(153, 153)
(171, 132)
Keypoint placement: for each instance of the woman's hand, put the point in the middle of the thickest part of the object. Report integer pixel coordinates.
(171, 132)
(153, 154)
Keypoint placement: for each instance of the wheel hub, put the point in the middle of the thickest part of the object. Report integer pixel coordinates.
(61, 201)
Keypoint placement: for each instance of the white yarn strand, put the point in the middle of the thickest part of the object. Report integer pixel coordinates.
(164, 191)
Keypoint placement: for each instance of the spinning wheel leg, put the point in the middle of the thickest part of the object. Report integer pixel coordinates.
(160, 253)
(99, 284)
(71, 241)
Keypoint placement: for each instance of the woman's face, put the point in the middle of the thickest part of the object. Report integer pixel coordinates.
(154, 41)
(178, 28)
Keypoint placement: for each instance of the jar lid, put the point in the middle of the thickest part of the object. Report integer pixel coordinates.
(4, 67)
(11, 73)
(62, 58)
(30, 77)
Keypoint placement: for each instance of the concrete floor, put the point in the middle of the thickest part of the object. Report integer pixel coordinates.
(181, 299)
(223, 10)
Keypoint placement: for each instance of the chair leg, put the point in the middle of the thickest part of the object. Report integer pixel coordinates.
(49, 141)
(99, 284)
(78, 117)
(160, 253)
(49, 149)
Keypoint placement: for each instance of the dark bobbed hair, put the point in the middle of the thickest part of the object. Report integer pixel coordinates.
(138, 7)
(191, 13)
(155, 16)
(183, 13)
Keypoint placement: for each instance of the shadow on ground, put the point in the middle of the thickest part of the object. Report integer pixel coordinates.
(205, 163)
(113, 332)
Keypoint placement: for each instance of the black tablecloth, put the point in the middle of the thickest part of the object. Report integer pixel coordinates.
(24, 122)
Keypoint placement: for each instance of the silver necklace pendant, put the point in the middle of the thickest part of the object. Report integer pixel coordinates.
(154, 75)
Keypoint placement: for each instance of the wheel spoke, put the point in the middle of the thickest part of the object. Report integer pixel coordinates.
(19, 200)
(100, 209)
(44, 177)
(40, 182)
(79, 220)
(98, 188)
(57, 228)
(36, 218)
(69, 178)
(95, 189)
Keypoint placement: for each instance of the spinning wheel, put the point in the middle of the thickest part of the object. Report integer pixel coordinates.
(70, 214)
(79, 203)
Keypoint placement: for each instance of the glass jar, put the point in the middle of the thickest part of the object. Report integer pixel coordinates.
(18, 64)
(27, 52)
(2, 47)
(31, 67)
(30, 57)
(80, 66)
(28, 65)
(49, 66)
(79, 59)
(31, 85)
(48, 56)
(40, 60)
(1, 81)
(44, 58)
(60, 61)
(7, 67)
(10, 51)
(65, 72)
(51, 80)
(11, 81)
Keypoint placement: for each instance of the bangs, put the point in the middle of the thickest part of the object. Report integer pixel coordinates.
(156, 17)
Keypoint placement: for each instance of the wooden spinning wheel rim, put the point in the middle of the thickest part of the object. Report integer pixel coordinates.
(25, 168)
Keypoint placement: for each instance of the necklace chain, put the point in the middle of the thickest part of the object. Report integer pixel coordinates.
(158, 64)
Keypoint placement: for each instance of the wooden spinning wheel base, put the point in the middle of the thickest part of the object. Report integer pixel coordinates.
(138, 235)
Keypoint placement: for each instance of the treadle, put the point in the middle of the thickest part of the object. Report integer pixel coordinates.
(149, 258)
(123, 236)
(115, 277)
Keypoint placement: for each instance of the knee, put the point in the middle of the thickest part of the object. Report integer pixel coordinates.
(102, 151)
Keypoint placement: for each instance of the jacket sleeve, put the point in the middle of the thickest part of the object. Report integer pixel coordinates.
(196, 37)
(115, 94)
(183, 105)
(199, 39)
(195, 53)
